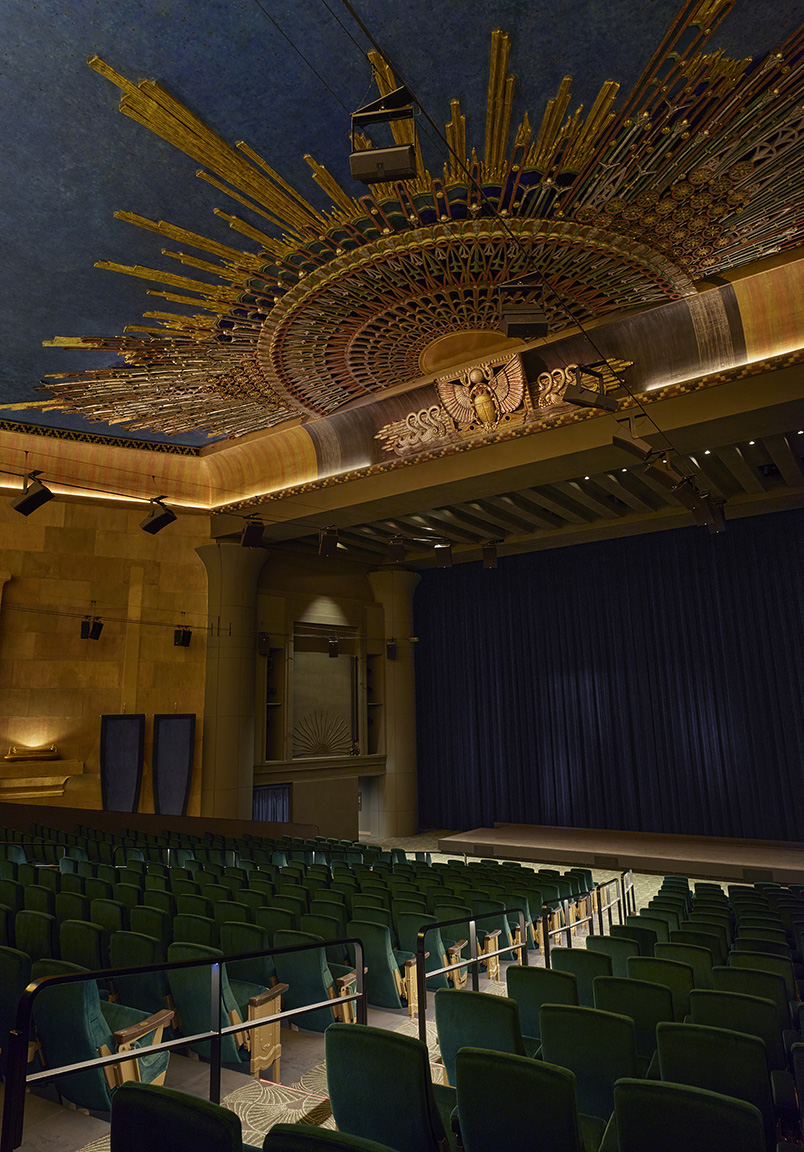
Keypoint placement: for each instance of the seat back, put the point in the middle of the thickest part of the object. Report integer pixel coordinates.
(679, 978)
(647, 1004)
(619, 949)
(148, 990)
(585, 965)
(645, 937)
(719, 1060)
(400, 1107)
(378, 957)
(190, 989)
(35, 933)
(237, 937)
(146, 1118)
(531, 987)
(475, 1020)
(699, 959)
(503, 1100)
(755, 1015)
(680, 1117)
(84, 943)
(599, 1047)
(307, 975)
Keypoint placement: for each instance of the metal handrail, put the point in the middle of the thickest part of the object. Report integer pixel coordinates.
(473, 961)
(19, 1037)
(620, 902)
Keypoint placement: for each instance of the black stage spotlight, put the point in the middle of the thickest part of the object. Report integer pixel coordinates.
(443, 552)
(328, 541)
(396, 549)
(158, 518)
(630, 442)
(181, 637)
(34, 496)
(251, 536)
(332, 645)
(370, 165)
(584, 396)
(523, 321)
(91, 628)
(490, 554)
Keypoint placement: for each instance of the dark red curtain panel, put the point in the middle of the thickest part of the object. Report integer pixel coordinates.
(653, 683)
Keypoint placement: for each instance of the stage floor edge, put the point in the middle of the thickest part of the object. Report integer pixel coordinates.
(741, 861)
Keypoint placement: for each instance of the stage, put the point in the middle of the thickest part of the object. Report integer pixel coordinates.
(739, 861)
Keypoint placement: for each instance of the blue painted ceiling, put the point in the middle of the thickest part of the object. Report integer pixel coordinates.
(282, 77)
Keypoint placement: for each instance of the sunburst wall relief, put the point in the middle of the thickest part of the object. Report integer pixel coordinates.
(626, 206)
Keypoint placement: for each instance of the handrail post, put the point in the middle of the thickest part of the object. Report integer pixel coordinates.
(546, 935)
(600, 902)
(620, 897)
(215, 1024)
(523, 937)
(362, 1010)
(473, 955)
(14, 1101)
(421, 982)
(567, 925)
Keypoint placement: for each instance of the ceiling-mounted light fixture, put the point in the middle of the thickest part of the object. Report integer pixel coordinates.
(628, 440)
(158, 518)
(373, 165)
(521, 321)
(251, 535)
(396, 549)
(589, 389)
(490, 554)
(91, 628)
(33, 496)
(443, 551)
(328, 541)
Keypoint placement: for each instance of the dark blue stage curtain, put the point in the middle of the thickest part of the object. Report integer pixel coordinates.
(271, 802)
(654, 683)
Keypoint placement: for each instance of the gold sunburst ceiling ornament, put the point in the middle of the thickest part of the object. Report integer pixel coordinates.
(617, 209)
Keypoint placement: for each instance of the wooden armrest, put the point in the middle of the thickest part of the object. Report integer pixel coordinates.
(457, 946)
(344, 981)
(136, 1031)
(267, 995)
(412, 963)
(492, 935)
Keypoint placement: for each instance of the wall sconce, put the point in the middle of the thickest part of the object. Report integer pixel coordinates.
(390, 649)
(44, 752)
(490, 554)
(396, 549)
(332, 645)
(181, 637)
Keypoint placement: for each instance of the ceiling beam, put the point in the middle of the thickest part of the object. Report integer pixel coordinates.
(786, 460)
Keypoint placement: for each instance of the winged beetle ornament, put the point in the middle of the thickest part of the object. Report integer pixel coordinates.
(483, 396)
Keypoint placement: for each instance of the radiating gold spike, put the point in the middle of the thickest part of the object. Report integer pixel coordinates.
(456, 139)
(523, 133)
(192, 238)
(164, 331)
(707, 11)
(214, 307)
(252, 155)
(271, 245)
(212, 291)
(229, 274)
(109, 73)
(542, 152)
(202, 175)
(498, 105)
(598, 119)
(333, 189)
(185, 321)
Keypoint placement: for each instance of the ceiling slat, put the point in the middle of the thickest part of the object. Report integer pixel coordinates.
(786, 460)
(732, 458)
(580, 495)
